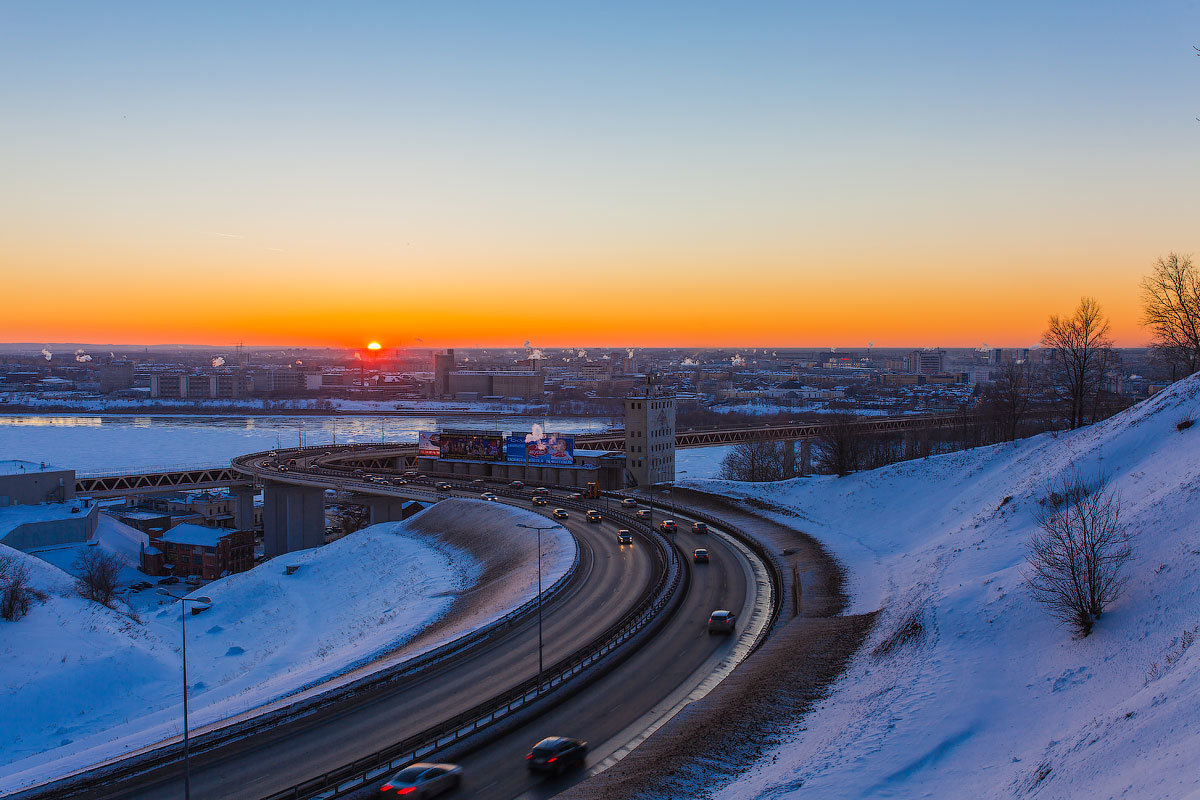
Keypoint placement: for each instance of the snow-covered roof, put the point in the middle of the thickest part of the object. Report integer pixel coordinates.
(13, 517)
(16, 467)
(187, 533)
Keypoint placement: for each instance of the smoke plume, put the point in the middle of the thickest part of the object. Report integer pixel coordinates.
(219, 361)
(46, 354)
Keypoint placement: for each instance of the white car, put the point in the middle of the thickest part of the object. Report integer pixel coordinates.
(423, 780)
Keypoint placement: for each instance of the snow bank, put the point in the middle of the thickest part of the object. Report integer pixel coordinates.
(80, 683)
(994, 699)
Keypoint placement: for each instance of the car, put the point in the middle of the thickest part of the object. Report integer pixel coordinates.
(264, 463)
(559, 513)
(140, 585)
(700, 555)
(624, 537)
(556, 754)
(699, 527)
(359, 471)
(423, 780)
(575, 496)
(628, 502)
(170, 580)
(593, 515)
(399, 482)
(411, 473)
(489, 496)
(193, 580)
(516, 485)
(541, 490)
(444, 487)
(538, 500)
(721, 621)
(284, 468)
(668, 526)
(478, 483)
(643, 513)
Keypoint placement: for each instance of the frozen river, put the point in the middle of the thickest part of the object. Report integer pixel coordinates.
(100, 443)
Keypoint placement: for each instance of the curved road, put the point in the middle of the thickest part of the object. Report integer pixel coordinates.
(608, 713)
(609, 582)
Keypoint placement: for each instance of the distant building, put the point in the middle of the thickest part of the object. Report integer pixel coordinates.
(926, 362)
(27, 482)
(463, 384)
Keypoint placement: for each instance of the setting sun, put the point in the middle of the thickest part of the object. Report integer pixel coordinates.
(374, 346)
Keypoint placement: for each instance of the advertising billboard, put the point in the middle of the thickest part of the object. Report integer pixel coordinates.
(472, 445)
(541, 448)
(429, 444)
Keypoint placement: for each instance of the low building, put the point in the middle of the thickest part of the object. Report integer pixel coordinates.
(28, 482)
(189, 549)
(26, 527)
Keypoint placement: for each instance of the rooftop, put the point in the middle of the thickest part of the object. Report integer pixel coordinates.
(187, 533)
(13, 467)
(13, 517)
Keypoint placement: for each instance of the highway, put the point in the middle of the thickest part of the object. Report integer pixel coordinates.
(608, 713)
(620, 700)
(608, 583)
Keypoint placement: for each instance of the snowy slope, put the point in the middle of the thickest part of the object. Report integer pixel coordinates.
(996, 700)
(80, 683)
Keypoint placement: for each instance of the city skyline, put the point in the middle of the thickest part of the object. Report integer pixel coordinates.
(690, 176)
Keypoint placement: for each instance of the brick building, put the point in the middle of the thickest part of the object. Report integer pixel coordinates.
(189, 549)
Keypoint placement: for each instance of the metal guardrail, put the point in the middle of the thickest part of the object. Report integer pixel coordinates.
(372, 767)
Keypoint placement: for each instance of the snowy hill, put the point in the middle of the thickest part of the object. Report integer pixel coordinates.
(80, 682)
(994, 699)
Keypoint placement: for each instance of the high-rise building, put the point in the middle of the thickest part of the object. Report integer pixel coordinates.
(926, 362)
(650, 435)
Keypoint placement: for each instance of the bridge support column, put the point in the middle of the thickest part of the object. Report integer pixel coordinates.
(243, 518)
(293, 518)
(806, 457)
(385, 509)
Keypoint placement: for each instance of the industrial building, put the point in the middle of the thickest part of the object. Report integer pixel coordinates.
(650, 435)
(38, 507)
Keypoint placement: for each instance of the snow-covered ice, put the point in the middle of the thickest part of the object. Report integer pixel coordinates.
(998, 700)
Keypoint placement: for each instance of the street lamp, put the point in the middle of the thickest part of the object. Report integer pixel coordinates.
(539, 530)
(206, 602)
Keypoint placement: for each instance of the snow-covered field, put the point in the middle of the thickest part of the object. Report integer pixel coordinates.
(80, 682)
(700, 462)
(997, 700)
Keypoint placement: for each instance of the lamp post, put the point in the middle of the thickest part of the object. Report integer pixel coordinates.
(539, 530)
(187, 764)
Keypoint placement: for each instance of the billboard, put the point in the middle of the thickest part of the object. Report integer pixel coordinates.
(541, 448)
(429, 444)
(472, 445)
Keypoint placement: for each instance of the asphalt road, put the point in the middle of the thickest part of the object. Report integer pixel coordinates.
(610, 580)
(604, 713)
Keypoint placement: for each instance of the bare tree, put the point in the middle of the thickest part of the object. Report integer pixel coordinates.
(1076, 561)
(16, 595)
(1080, 344)
(1171, 310)
(1011, 393)
(840, 446)
(760, 461)
(97, 573)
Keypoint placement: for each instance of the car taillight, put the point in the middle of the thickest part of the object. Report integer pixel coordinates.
(551, 759)
(406, 790)
(387, 787)
(529, 756)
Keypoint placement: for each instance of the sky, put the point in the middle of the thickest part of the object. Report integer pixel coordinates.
(650, 174)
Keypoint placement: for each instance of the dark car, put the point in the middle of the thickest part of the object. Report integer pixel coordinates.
(594, 516)
(643, 513)
(444, 487)
(624, 537)
(170, 580)
(399, 482)
(721, 621)
(668, 526)
(516, 485)
(700, 555)
(423, 780)
(140, 585)
(699, 527)
(538, 500)
(629, 502)
(557, 754)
